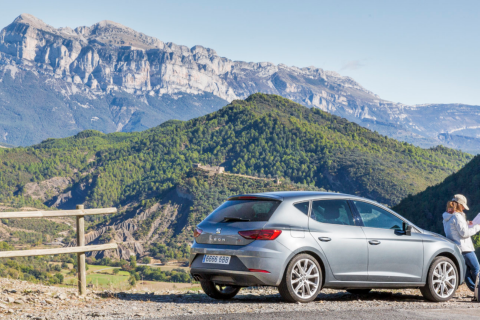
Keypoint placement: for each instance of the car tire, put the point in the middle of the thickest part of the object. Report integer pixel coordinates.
(359, 291)
(219, 292)
(442, 280)
(302, 280)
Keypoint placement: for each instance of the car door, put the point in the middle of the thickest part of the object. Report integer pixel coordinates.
(332, 224)
(393, 256)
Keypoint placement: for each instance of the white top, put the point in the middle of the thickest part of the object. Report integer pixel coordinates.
(456, 229)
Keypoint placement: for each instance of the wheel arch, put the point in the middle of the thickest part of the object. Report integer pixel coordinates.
(311, 251)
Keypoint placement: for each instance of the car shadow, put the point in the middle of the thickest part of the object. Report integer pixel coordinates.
(193, 298)
(383, 296)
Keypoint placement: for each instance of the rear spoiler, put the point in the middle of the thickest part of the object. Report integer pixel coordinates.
(255, 197)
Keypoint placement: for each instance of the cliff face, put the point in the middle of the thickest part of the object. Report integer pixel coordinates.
(108, 56)
(111, 78)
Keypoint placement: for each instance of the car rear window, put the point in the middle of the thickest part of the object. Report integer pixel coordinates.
(244, 210)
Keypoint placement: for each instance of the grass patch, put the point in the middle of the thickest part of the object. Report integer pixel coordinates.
(106, 279)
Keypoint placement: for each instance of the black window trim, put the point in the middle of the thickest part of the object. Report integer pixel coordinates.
(356, 215)
(309, 206)
(357, 219)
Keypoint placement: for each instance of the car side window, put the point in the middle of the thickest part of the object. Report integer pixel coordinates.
(302, 206)
(375, 217)
(332, 211)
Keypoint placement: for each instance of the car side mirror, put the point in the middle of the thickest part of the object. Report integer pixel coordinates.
(407, 229)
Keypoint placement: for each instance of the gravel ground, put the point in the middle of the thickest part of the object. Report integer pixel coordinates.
(22, 300)
(373, 314)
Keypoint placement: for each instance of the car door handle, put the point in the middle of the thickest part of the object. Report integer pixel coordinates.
(324, 239)
(374, 242)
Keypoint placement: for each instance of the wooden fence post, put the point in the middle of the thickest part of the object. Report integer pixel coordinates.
(82, 273)
(80, 249)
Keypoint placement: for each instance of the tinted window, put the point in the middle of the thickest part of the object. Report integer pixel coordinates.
(303, 206)
(248, 210)
(376, 217)
(332, 211)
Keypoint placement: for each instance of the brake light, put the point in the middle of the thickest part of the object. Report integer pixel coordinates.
(258, 270)
(247, 198)
(197, 232)
(260, 234)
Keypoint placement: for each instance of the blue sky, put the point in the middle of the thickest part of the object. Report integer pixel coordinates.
(405, 51)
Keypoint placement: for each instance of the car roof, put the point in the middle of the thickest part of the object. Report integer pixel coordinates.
(291, 195)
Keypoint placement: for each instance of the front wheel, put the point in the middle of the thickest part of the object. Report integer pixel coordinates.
(441, 280)
(218, 291)
(302, 280)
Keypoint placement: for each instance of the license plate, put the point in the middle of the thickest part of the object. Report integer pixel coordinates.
(208, 258)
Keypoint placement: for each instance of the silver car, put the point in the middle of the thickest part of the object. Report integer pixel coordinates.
(302, 242)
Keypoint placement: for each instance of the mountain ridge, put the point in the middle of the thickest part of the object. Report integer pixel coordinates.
(84, 70)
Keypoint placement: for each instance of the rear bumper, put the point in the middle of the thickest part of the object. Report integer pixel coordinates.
(234, 278)
(261, 255)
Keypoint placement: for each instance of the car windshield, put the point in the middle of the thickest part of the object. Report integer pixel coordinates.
(243, 210)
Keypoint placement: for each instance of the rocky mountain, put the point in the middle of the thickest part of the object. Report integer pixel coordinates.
(108, 77)
(149, 175)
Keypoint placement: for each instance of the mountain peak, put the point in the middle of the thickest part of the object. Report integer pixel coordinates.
(109, 23)
(114, 33)
(29, 19)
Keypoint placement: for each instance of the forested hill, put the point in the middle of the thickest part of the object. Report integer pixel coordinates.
(148, 175)
(426, 208)
(265, 135)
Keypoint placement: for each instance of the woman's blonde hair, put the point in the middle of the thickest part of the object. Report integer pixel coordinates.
(453, 206)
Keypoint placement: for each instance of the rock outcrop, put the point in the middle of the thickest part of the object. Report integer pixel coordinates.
(46, 189)
(157, 223)
(108, 57)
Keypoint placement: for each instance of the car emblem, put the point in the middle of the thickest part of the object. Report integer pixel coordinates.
(219, 230)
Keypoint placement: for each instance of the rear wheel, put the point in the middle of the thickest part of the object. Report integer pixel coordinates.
(302, 281)
(359, 291)
(441, 280)
(219, 291)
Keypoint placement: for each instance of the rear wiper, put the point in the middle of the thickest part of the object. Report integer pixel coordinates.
(233, 219)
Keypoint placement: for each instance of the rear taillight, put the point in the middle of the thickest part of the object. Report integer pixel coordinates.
(258, 270)
(197, 232)
(260, 234)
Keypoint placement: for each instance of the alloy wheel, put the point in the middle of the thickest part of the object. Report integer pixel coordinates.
(444, 279)
(305, 278)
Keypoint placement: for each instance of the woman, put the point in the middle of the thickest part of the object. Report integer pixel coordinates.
(457, 229)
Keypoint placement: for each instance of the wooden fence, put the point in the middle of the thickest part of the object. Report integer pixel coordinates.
(80, 249)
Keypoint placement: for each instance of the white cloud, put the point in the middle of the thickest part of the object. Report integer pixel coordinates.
(352, 65)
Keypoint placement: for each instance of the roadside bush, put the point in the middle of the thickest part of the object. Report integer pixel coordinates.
(156, 274)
